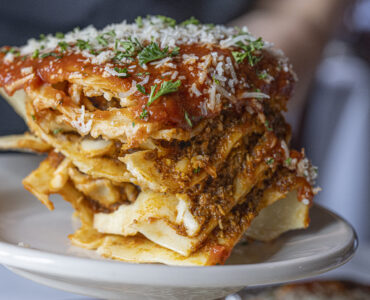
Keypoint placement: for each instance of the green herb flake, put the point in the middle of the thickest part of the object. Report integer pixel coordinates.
(215, 80)
(167, 20)
(123, 72)
(288, 161)
(144, 113)
(270, 161)
(130, 48)
(111, 33)
(101, 40)
(141, 74)
(84, 45)
(152, 52)
(238, 56)
(189, 21)
(11, 50)
(188, 119)
(42, 37)
(141, 89)
(167, 87)
(133, 124)
(63, 46)
(57, 130)
(59, 35)
(33, 117)
(262, 75)
(56, 55)
(35, 54)
(197, 170)
(248, 52)
(121, 55)
(139, 22)
(175, 51)
(267, 124)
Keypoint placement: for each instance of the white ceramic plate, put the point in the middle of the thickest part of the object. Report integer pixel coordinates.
(34, 244)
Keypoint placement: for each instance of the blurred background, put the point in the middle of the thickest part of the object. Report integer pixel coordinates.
(330, 114)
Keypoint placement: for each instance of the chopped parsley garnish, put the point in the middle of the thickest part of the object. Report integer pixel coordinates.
(50, 54)
(288, 161)
(35, 54)
(167, 20)
(42, 37)
(197, 170)
(130, 48)
(141, 74)
(121, 55)
(166, 88)
(132, 45)
(63, 46)
(133, 124)
(141, 89)
(101, 40)
(175, 51)
(215, 80)
(57, 130)
(153, 52)
(11, 50)
(59, 35)
(188, 119)
(267, 124)
(139, 22)
(270, 161)
(144, 113)
(248, 52)
(123, 72)
(84, 45)
(111, 33)
(191, 20)
(33, 117)
(262, 75)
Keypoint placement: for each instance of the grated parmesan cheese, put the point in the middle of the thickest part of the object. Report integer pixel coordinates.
(255, 95)
(80, 125)
(26, 71)
(195, 90)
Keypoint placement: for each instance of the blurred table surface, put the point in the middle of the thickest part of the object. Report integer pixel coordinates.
(14, 287)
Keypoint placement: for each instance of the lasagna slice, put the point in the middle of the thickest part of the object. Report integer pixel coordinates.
(168, 140)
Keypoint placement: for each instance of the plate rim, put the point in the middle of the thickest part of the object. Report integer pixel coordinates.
(61, 265)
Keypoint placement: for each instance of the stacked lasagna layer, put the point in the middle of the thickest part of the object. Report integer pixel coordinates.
(167, 139)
